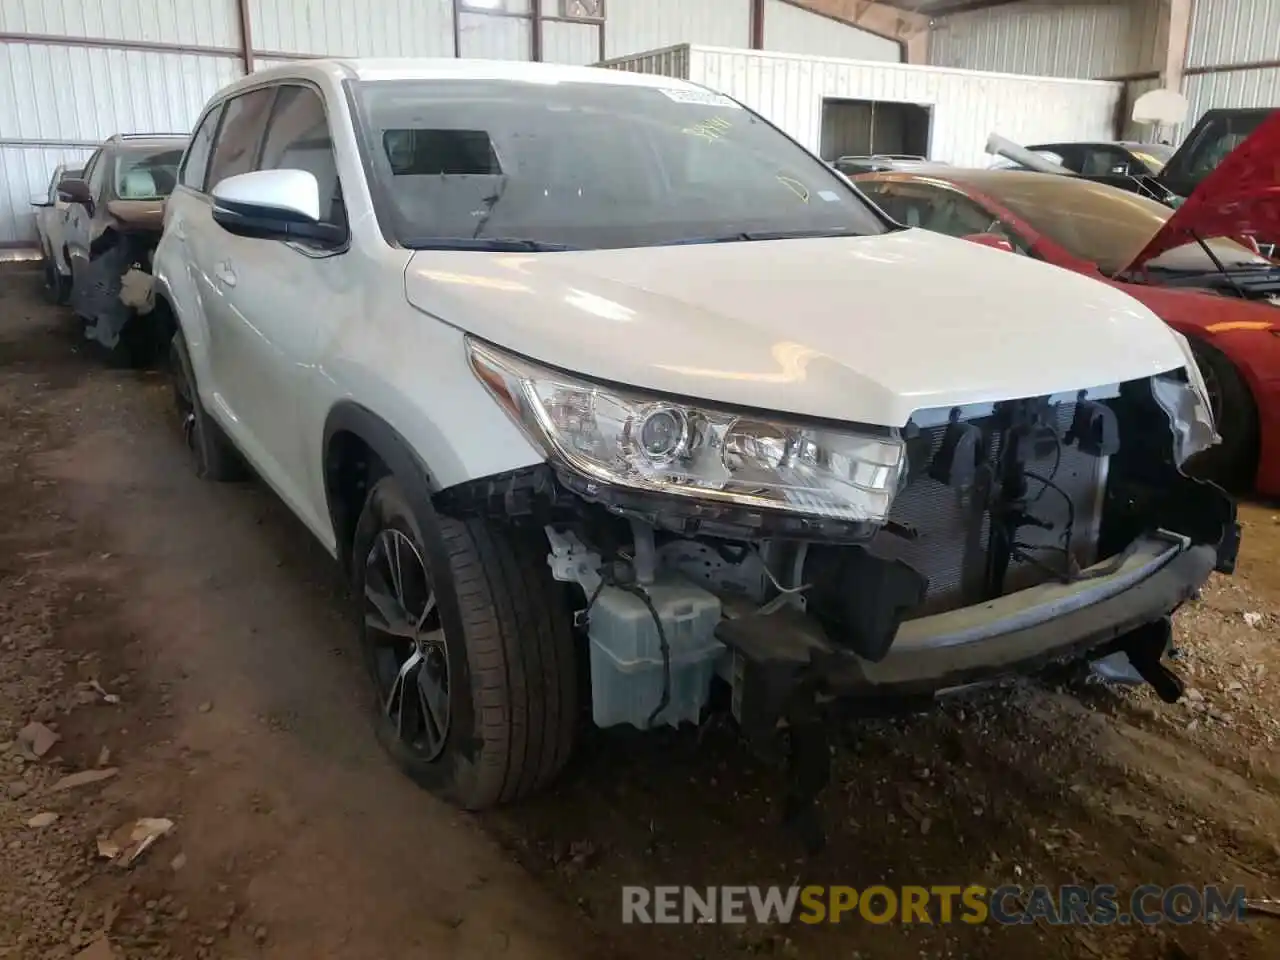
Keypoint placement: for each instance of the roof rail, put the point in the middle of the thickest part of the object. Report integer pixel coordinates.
(118, 137)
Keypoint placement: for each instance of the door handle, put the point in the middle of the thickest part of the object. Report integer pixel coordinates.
(225, 274)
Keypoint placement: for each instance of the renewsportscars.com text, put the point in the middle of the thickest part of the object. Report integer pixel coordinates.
(1101, 905)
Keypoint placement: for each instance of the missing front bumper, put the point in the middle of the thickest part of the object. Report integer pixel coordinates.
(785, 658)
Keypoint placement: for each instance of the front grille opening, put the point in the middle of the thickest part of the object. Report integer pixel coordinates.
(952, 529)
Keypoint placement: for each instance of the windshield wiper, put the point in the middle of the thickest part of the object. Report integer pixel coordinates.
(749, 235)
(491, 244)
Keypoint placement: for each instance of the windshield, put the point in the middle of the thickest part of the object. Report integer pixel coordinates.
(147, 174)
(1102, 224)
(590, 165)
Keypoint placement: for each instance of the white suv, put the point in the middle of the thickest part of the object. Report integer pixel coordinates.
(606, 393)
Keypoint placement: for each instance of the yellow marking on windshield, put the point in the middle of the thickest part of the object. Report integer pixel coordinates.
(795, 186)
(711, 129)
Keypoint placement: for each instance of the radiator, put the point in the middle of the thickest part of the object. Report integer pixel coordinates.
(953, 536)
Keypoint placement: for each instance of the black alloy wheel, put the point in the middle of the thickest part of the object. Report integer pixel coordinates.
(407, 650)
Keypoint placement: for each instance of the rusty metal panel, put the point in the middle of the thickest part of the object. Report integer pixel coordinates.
(634, 26)
(342, 28)
(965, 105)
(485, 37)
(1227, 32)
(573, 43)
(207, 23)
(1059, 40)
(789, 29)
(24, 172)
(51, 92)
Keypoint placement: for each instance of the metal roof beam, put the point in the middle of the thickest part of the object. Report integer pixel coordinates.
(908, 28)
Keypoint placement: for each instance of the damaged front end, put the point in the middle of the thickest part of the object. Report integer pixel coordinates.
(115, 286)
(813, 567)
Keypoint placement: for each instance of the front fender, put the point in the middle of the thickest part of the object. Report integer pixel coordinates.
(419, 409)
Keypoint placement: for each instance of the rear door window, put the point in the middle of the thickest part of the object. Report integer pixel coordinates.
(236, 149)
(196, 163)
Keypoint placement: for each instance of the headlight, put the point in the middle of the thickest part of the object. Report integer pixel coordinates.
(627, 439)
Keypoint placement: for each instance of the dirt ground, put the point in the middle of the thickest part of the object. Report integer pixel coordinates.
(191, 643)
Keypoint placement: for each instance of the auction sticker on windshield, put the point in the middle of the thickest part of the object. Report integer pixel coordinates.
(701, 98)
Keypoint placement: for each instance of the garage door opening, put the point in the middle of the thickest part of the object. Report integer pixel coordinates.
(864, 127)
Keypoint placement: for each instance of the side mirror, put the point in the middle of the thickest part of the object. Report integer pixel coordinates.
(75, 190)
(993, 240)
(41, 200)
(273, 205)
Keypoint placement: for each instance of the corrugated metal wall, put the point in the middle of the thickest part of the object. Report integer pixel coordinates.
(1233, 88)
(1226, 34)
(966, 106)
(789, 29)
(75, 94)
(24, 172)
(210, 23)
(573, 43)
(57, 99)
(633, 26)
(385, 28)
(1055, 40)
(483, 37)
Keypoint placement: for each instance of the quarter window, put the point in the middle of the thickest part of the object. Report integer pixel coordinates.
(243, 121)
(196, 163)
(298, 138)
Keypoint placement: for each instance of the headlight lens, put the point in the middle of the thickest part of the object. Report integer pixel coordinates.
(627, 439)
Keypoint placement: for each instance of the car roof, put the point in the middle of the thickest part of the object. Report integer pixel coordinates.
(145, 141)
(992, 181)
(447, 68)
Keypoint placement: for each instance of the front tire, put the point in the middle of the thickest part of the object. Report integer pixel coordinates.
(471, 658)
(52, 279)
(216, 458)
(1233, 462)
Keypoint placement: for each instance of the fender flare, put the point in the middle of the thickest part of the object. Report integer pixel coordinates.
(396, 453)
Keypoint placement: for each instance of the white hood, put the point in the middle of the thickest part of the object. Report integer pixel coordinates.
(864, 330)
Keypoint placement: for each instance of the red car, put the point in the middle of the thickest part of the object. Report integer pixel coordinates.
(1184, 265)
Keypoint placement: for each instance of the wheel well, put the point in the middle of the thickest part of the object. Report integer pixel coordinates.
(166, 320)
(351, 468)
